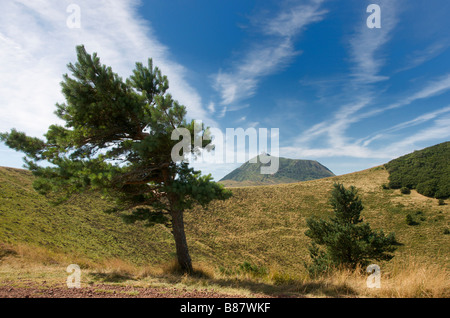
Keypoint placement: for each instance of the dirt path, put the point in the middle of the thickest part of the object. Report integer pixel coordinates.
(33, 290)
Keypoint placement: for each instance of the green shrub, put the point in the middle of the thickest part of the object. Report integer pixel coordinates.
(226, 271)
(441, 202)
(246, 268)
(253, 270)
(421, 215)
(347, 241)
(410, 220)
(405, 190)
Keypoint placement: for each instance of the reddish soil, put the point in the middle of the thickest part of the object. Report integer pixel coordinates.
(33, 290)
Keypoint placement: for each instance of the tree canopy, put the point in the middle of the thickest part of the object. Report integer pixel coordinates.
(117, 139)
(427, 171)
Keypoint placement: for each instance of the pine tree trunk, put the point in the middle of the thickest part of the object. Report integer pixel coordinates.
(184, 259)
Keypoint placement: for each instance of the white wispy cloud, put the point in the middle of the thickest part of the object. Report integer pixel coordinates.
(36, 45)
(434, 88)
(348, 150)
(340, 144)
(386, 133)
(270, 55)
(437, 131)
(365, 51)
(420, 57)
(262, 60)
(292, 20)
(366, 44)
(334, 128)
(365, 75)
(212, 107)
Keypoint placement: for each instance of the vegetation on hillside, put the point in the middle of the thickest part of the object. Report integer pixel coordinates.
(427, 171)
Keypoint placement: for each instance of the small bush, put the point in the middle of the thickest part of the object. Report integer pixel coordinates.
(226, 271)
(405, 190)
(441, 202)
(410, 220)
(447, 231)
(385, 186)
(346, 241)
(253, 270)
(421, 214)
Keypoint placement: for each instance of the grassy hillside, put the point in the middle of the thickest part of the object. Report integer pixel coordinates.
(78, 228)
(427, 171)
(263, 226)
(290, 171)
(266, 225)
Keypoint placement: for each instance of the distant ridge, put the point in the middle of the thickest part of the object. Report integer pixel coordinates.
(290, 171)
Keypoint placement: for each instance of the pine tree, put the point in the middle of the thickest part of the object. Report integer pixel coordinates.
(117, 140)
(346, 240)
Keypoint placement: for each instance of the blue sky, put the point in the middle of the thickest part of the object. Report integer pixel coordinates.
(339, 92)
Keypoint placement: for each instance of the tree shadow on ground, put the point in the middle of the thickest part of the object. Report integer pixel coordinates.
(6, 251)
(291, 289)
(112, 277)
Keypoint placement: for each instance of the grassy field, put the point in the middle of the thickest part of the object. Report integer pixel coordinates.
(252, 244)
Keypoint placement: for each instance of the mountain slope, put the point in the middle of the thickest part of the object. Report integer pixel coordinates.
(78, 227)
(261, 225)
(290, 171)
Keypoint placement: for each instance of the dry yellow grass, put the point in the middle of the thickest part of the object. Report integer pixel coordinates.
(411, 277)
(266, 225)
